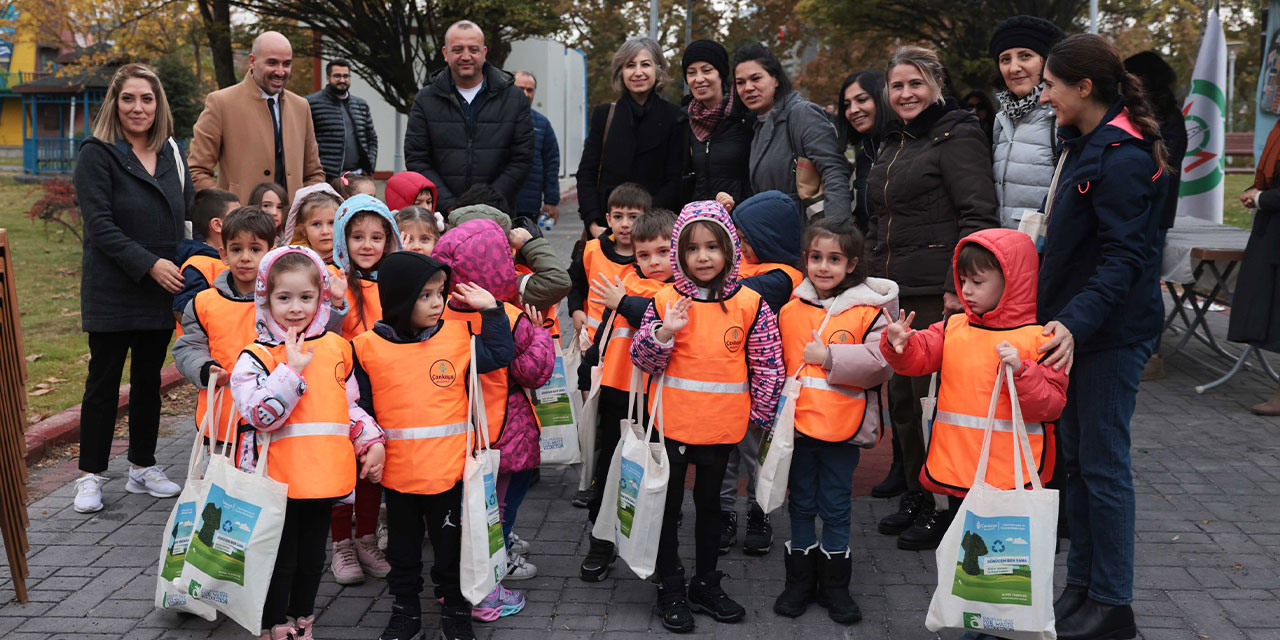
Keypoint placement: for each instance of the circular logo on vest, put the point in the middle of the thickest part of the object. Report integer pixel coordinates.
(442, 373)
(340, 374)
(840, 337)
(733, 339)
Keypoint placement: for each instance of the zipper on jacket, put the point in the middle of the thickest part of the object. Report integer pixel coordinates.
(888, 231)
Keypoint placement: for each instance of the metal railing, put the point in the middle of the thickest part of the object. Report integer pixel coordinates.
(49, 155)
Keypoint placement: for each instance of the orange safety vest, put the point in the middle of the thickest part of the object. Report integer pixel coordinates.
(550, 317)
(595, 264)
(750, 269)
(615, 362)
(424, 417)
(707, 399)
(830, 412)
(493, 385)
(353, 325)
(969, 369)
(208, 266)
(312, 452)
(229, 326)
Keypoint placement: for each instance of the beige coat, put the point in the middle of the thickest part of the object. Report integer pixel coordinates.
(234, 134)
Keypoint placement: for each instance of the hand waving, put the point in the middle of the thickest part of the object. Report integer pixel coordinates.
(899, 331)
(675, 319)
(337, 292)
(610, 293)
(473, 296)
(296, 351)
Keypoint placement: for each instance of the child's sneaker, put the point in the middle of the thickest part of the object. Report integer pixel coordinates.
(456, 626)
(304, 626)
(346, 563)
(371, 558)
(520, 569)
(516, 546)
(151, 480)
(280, 632)
(403, 625)
(500, 602)
(89, 494)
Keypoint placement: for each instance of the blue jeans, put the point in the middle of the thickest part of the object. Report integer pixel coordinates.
(511, 495)
(821, 484)
(1099, 490)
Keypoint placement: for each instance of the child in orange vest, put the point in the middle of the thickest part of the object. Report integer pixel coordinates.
(424, 414)
(716, 344)
(200, 261)
(831, 335)
(996, 272)
(294, 383)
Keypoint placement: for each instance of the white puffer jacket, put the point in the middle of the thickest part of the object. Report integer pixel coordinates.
(1023, 162)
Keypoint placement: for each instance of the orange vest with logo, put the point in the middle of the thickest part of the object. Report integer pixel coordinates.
(825, 411)
(969, 369)
(312, 452)
(355, 323)
(707, 398)
(229, 326)
(496, 384)
(424, 416)
(596, 264)
(615, 362)
(750, 269)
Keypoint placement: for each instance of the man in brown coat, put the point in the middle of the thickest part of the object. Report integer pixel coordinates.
(257, 131)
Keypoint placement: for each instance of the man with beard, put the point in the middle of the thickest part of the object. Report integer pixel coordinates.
(257, 131)
(344, 128)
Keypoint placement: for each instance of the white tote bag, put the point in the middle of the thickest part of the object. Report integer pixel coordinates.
(484, 551)
(928, 407)
(586, 437)
(557, 405)
(233, 551)
(181, 526)
(591, 409)
(636, 494)
(995, 563)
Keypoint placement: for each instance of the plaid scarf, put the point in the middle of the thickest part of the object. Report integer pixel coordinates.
(704, 120)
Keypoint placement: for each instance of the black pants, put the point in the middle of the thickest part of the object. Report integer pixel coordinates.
(299, 563)
(905, 393)
(613, 410)
(409, 517)
(710, 461)
(107, 352)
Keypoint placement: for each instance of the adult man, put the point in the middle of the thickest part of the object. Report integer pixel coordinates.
(257, 131)
(344, 128)
(470, 124)
(541, 190)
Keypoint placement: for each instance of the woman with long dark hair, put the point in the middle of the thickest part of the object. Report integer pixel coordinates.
(1099, 297)
(861, 116)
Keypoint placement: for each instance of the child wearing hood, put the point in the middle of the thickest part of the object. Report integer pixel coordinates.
(410, 188)
(426, 427)
(996, 273)
(284, 384)
(716, 345)
(478, 253)
(309, 222)
(831, 336)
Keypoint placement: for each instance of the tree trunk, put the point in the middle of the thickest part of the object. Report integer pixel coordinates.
(216, 15)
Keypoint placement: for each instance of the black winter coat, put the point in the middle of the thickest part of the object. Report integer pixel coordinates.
(331, 134)
(496, 149)
(649, 152)
(722, 162)
(131, 220)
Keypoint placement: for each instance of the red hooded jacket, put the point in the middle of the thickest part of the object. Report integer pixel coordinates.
(403, 188)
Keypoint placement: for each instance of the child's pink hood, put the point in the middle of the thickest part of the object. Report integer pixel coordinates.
(270, 331)
(478, 252)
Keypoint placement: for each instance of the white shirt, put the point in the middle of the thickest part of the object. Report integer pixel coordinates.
(470, 94)
(275, 112)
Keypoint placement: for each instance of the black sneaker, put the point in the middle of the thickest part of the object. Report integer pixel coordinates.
(595, 567)
(908, 508)
(403, 625)
(453, 627)
(673, 606)
(706, 596)
(759, 538)
(581, 498)
(930, 525)
(728, 530)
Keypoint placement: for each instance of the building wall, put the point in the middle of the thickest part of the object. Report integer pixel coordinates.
(22, 59)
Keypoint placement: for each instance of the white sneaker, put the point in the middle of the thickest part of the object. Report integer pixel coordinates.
(89, 494)
(520, 569)
(151, 480)
(516, 546)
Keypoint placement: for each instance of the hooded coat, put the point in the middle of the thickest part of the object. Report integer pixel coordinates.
(360, 317)
(794, 128)
(291, 220)
(770, 222)
(477, 252)
(403, 188)
(764, 343)
(549, 282)
(1024, 157)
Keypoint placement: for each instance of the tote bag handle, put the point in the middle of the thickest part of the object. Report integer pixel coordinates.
(475, 410)
(1019, 436)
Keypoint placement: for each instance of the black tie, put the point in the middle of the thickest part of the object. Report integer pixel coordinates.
(275, 127)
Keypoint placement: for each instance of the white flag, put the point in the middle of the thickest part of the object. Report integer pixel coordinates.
(1200, 194)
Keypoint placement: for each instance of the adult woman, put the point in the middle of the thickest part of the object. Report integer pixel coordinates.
(1253, 317)
(720, 128)
(862, 112)
(1024, 138)
(1099, 296)
(639, 138)
(134, 192)
(930, 187)
(787, 128)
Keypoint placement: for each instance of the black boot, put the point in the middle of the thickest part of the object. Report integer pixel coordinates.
(908, 508)
(728, 530)
(833, 586)
(405, 624)
(759, 538)
(595, 567)
(706, 596)
(455, 623)
(895, 482)
(1072, 597)
(1097, 621)
(802, 581)
(673, 606)
(930, 525)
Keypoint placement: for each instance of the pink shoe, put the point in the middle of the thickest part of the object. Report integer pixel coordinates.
(346, 563)
(280, 632)
(304, 626)
(371, 558)
(499, 603)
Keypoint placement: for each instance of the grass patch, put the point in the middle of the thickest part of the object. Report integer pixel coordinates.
(1234, 213)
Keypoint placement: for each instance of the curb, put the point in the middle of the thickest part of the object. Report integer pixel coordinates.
(64, 426)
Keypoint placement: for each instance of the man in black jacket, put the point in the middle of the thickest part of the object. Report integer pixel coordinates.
(344, 128)
(470, 124)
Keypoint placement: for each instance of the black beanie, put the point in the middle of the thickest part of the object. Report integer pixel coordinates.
(1028, 32)
(711, 52)
(400, 279)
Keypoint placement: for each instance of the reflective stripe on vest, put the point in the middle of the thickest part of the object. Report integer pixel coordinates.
(825, 411)
(495, 384)
(427, 433)
(969, 367)
(810, 382)
(322, 464)
(229, 327)
(595, 264)
(708, 371)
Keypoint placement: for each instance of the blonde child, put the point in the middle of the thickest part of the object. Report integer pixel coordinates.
(310, 220)
(420, 229)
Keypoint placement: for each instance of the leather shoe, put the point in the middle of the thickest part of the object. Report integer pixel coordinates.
(1097, 621)
(927, 531)
(1070, 600)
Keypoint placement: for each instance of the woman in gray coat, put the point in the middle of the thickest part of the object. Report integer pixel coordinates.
(1024, 137)
(134, 192)
(789, 127)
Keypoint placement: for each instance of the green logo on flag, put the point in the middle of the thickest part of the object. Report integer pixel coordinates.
(1203, 90)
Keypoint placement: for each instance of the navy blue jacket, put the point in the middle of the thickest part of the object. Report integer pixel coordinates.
(770, 222)
(543, 184)
(193, 281)
(1100, 270)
